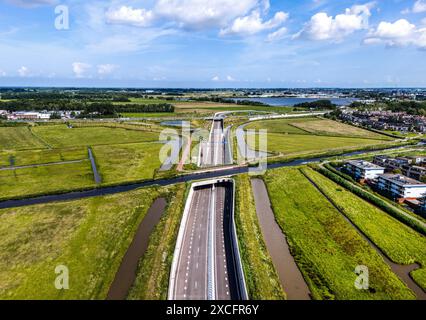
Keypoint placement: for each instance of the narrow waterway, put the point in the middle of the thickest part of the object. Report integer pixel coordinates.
(290, 276)
(100, 191)
(126, 274)
(402, 271)
(96, 175)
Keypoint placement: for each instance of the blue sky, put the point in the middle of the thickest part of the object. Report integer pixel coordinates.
(214, 43)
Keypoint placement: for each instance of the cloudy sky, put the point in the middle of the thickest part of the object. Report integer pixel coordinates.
(213, 43)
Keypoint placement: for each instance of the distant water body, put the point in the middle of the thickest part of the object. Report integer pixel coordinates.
(293, 101)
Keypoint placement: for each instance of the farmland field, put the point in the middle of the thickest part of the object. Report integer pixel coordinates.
(88, 236)
(329, 127)
(28, 157)
(127, 162)
(314, 126)
(277, 126)
(292, 144)
(18, 138)
(60, 136)
(400, 243)
(325, 246)
(40, 180)
(148, 115)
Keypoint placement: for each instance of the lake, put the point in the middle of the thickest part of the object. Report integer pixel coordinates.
(292, 101)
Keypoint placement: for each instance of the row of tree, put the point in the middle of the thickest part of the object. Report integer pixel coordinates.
(318, 105)
(101, 108)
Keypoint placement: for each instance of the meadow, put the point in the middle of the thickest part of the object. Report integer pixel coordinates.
(89, 236)
(260, 274)
(45, 179)
(40, 156)
(399, 242)
(330, 127)
(302, 136)
(127, 162)
(295, 144)
(325, 246)
(18, 138)
(148, 115)
(60, 136)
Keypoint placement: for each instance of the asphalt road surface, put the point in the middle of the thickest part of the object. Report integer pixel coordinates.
(215, 149)
(205, 268)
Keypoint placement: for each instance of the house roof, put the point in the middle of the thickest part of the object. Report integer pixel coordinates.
(365, 165)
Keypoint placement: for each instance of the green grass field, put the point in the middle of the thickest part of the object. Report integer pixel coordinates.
(261, 277)
(18, 138)
(60, 136)
(295, 144)
(48, 179)
(326, 247)
(29, 157)
(276, 126)
(314, 126)
(127, 162)
(88, 236)
(330, 127)
(400, 243)
(148, 115)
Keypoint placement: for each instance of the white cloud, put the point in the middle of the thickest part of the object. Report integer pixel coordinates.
(3, 73)
(80, 69)
(216, 78)
(419, 6)
(399, 33)
(190, 14)
(105, 69)
(230, 78)
(253, 23)
(198, 14)
(23, 71)
(277, 35)
(128, 15)
(325, 27)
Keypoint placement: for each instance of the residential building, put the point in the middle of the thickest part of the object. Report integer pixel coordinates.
(409, 166)
(401, 187)
(363, 170)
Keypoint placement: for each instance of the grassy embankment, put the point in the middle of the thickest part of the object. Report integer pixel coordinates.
(325, 246)
(154, 268)
(89, 236)
(399, 242)
(261, 277)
